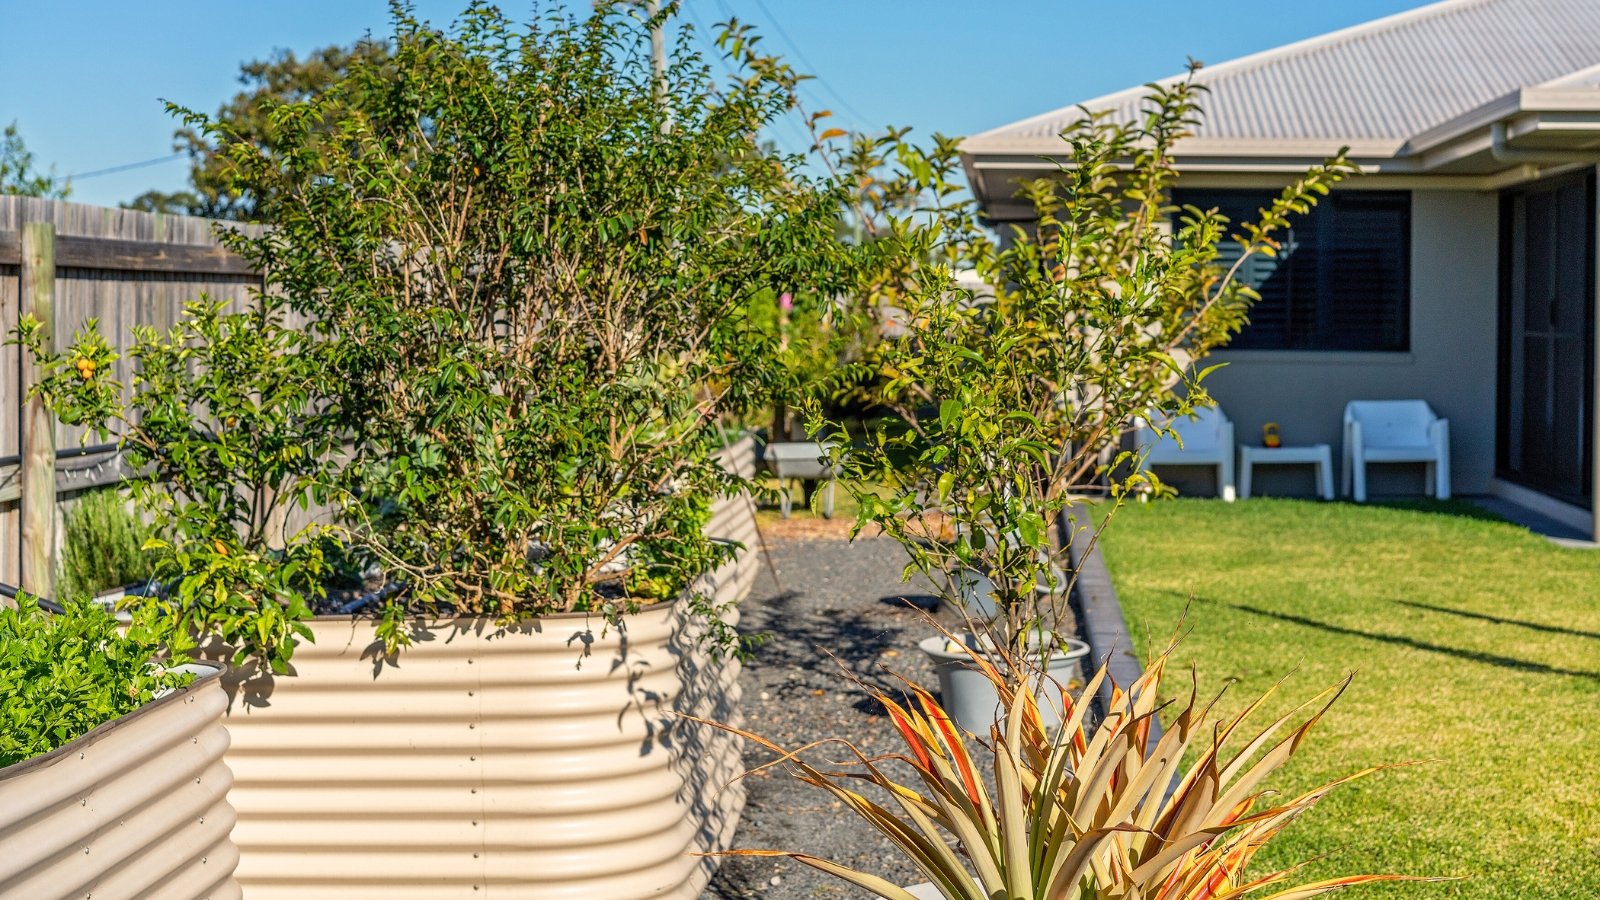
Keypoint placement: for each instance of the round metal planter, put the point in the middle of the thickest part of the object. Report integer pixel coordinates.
(542, 760)
(137, 807)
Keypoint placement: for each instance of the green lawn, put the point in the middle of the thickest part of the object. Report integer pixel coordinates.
(768, 510)
(1476, 645)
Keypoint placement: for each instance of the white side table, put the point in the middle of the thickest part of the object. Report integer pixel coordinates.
(1319, 455)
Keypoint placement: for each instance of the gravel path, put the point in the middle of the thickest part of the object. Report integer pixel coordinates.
(847, 598)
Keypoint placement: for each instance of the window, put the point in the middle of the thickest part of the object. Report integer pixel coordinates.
(1342, 280)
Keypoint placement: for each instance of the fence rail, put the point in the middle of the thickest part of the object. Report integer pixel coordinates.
(108, 254)
(125, 269)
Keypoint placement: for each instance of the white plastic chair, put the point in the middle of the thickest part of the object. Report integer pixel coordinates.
(1395, 431)
(1207, 440)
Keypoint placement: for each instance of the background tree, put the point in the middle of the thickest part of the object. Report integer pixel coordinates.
(282, 78)
(17, 172)
(177, 203)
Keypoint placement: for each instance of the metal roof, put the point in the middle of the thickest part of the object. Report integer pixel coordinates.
(1376, 84)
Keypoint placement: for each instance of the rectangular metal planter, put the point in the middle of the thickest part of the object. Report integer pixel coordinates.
(135, 808)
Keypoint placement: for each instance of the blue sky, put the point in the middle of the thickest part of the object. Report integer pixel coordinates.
(84, 79)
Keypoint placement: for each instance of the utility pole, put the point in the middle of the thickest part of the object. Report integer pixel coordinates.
(658, 61)
(658, 55)
(658, 50)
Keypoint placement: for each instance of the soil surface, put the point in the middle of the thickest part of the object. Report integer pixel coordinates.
(828, 596)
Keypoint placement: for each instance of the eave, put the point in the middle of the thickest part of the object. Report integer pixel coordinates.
(1520, 136)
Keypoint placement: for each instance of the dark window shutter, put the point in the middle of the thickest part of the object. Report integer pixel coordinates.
(1366, 271)
(1341, 280)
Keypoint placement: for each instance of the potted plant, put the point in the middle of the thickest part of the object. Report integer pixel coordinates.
(111, 773)
(1077, 811)
(1015, 401)
(508, 269)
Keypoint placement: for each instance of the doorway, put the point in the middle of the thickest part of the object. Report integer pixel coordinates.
(1547, 301)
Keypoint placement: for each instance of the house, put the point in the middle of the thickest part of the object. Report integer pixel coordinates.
(1460, 269)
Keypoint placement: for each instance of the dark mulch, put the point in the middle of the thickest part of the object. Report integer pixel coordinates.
(846, 598)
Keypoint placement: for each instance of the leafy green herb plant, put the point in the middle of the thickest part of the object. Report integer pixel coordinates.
(62, 675)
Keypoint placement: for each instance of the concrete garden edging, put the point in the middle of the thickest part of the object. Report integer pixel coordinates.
(1101, 621)
(138, 807)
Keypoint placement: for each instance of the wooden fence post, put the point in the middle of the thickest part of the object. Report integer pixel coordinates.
(38, 475)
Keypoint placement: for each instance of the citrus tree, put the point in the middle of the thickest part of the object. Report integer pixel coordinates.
(509, 274)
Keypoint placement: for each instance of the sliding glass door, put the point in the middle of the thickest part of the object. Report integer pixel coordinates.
(1547, 304)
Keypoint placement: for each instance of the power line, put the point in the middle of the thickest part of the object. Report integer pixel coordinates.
(797, 130)
(123, 168)
(816, 73)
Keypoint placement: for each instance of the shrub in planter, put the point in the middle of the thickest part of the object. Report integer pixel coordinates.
(1015, 403)
(110, 762)
(510, 273)
(103, 545)
(515, 414)
(225, 432)
(551, 312)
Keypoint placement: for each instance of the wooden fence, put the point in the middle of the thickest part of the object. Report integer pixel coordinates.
(74, 262)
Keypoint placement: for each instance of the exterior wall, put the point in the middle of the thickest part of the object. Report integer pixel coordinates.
(1451, 363)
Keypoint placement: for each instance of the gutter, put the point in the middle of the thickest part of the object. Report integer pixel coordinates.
(1502, 150)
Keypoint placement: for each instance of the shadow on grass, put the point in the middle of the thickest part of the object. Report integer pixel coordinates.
(1482, 617)
(1477, 656)
(1459, 509)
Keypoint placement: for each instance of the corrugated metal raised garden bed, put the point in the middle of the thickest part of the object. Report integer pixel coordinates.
(135, 808)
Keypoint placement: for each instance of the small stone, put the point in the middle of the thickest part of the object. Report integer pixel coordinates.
(775, 881)
(891, 653)
(765, 695)
(819, 692)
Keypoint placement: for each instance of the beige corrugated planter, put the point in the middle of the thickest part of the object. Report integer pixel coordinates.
(484, 762)
(135, 808)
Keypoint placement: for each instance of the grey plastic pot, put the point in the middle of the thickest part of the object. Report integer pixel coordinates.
(975, 592)
(969, 696)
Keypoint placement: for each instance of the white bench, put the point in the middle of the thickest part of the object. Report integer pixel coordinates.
(805, 460)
